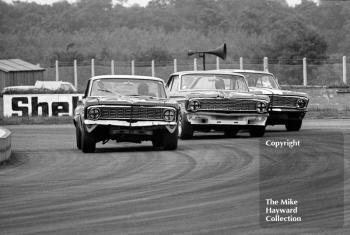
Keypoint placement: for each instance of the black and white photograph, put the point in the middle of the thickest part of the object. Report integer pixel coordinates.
(174, 117)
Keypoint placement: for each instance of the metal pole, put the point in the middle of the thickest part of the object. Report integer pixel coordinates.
(92, 67)
(304, 72)
(195, 64)
(266, 64)
(175, 65)
(112, 67)
(132, 67)
(203, 61)
(344, 70)
(153, 70)
(75, 74)
(240, 62)
(217, 63)
(57, 73)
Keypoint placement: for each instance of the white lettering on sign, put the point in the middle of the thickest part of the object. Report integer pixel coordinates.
(40, 104)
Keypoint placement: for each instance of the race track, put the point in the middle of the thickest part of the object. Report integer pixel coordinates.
(210, 185)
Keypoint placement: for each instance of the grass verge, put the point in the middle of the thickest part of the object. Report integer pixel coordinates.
(35, 120)
(328, 114)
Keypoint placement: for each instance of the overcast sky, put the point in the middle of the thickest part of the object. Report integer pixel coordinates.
(140, 2)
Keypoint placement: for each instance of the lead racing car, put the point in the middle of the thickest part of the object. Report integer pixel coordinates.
(218, 101)
(126, 108)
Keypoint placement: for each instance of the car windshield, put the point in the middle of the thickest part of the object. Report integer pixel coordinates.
(260, 80)
(213, 82)
(127, 87)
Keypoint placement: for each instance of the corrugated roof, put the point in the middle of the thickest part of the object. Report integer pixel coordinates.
(17, 65)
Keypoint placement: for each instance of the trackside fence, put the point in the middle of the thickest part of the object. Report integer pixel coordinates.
(304, 72)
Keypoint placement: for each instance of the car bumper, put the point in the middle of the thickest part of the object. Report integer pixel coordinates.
(227, 119)
(280, 116)
(91, 124)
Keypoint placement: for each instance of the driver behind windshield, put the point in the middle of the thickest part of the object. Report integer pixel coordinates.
(219, 84)
(143, 89)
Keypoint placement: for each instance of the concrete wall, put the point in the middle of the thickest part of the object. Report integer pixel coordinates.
(5, 144)
(322, 97)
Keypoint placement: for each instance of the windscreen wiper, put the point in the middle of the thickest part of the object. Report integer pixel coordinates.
(148, 96)
(105, 90)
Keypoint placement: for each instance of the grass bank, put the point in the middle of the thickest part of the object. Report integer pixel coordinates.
(35, 120)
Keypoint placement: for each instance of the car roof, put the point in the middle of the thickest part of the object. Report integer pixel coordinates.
(245, 71)
(127, 77)
(205, 72)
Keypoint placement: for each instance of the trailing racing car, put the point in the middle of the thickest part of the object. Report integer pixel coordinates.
(218, 101)
(286, 107)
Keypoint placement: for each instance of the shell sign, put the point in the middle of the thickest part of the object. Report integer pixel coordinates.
(22, 105)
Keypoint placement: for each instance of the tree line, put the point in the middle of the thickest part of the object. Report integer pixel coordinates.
(166, 29)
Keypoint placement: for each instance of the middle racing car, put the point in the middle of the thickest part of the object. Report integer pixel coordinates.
(218, 101)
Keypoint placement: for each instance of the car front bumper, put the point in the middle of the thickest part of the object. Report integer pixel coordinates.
(280, 116)
(92, 124)
(237, 119)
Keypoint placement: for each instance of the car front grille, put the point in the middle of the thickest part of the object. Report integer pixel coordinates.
(227, 105)
(284, 101)
(132, 112)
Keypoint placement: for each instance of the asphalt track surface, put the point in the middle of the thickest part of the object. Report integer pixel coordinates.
(210, 185)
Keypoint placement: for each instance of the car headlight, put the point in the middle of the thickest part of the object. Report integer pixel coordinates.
(169, 115)
(301, 103)
(94, 113)
(261, 107)
(194, 105)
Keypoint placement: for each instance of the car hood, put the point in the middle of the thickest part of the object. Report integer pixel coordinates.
(273, 91)
(223, 94)
(130, 100)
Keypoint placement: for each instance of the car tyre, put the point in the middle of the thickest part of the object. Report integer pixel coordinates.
(88, 144)
(78, 137)
(157, 140)
(185, 129)
(294, 125)
(170, 140)
(257, 131)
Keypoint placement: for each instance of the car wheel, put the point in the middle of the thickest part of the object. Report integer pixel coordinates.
(88, 144)
(257, 131)
(170, 140)
(78, 137)
(231, 132)
(157, 140)
(294, 125)
(185, 129)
